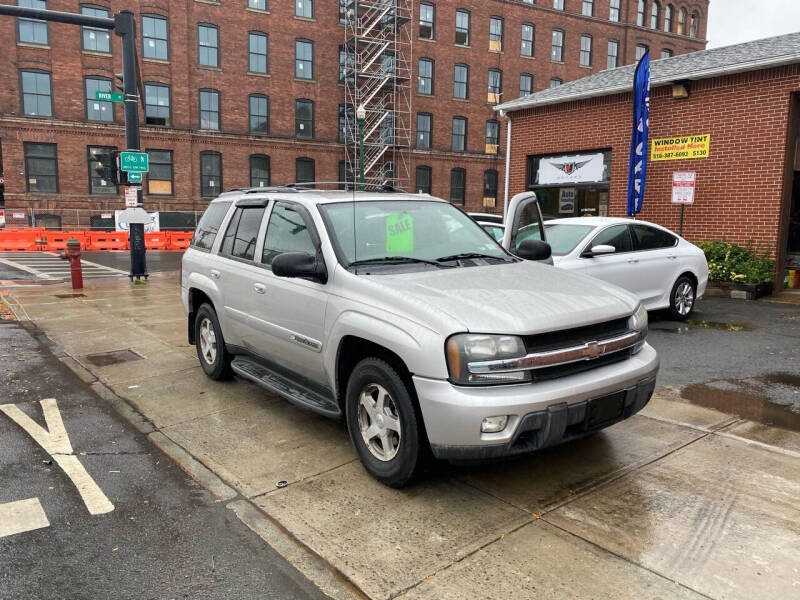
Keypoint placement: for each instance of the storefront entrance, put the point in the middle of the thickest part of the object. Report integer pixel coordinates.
(571, 185)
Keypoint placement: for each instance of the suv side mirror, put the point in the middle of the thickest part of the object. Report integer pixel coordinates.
(534, 250)
(299, 264)
(598, 250)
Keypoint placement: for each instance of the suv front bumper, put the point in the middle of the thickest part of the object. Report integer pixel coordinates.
(539, 414)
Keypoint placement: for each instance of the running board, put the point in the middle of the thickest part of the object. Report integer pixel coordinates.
(286, 388)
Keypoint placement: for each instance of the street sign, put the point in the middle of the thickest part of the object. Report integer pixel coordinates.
(683, 187)
(134, 177)
(131, 197)
(109, 96)
(134, 162)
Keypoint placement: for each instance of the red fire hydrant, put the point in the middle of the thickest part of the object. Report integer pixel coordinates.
(74, 258)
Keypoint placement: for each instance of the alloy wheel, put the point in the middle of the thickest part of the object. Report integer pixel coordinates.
(208, 341)
(684, 298)
(379, 422)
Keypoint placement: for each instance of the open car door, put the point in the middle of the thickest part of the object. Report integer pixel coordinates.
(524, 222)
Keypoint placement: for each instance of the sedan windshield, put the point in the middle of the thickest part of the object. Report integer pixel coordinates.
(562, 237)
(409, 232)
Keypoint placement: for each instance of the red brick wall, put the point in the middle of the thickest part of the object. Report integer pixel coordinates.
(739, 191)
(68, 64)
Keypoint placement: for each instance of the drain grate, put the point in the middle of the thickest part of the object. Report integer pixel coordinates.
(105, 359)
(73, 295)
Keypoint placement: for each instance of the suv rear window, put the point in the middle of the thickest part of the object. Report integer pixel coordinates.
(240, 239)
(209, 225)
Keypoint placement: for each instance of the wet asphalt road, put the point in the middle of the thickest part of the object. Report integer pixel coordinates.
(750, 348)
(157, 261)
(165, 538)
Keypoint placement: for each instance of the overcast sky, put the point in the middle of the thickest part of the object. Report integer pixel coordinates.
(736, 21)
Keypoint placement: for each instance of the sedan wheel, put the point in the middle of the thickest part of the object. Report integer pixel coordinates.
(682, 298)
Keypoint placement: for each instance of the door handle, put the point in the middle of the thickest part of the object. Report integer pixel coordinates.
(215, 274)
(260, 288)
(633, 260)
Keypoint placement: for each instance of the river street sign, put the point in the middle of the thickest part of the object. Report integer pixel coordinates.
(109, 96)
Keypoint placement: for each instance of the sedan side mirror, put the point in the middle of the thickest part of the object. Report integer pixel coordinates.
(534, 250)
(599, 250)
(300, 264)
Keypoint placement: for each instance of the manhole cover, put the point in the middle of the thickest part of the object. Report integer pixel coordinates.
(70, 295)
(104, 359)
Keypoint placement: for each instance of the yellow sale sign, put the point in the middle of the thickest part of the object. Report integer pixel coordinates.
(680, 147)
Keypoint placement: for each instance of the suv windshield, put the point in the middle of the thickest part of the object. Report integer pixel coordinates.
(562, 237)
(408, 232)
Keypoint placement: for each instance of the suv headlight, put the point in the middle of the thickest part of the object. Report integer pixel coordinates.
(638, 322)
(463, 348)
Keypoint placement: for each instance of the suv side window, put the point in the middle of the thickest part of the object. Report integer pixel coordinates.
(286, 232)
(650, 238)
(618, 236)
(529, 227)
(209, 225)
(240, 238)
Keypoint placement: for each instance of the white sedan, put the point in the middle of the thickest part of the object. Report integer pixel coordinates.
(654, 263)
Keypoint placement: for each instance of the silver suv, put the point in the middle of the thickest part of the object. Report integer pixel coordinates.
(398, 313)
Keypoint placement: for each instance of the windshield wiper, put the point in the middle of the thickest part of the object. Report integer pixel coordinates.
(395, 260)
(469, 255)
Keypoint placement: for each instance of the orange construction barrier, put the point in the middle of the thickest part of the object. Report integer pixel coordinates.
(179, 240)
(107, 240)
(157, 240)
(56, 241)
(20, 240)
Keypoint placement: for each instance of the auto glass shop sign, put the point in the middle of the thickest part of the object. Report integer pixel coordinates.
(575, 168)
(681, 147)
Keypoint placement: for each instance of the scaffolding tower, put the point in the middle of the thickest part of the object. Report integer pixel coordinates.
(376, 65)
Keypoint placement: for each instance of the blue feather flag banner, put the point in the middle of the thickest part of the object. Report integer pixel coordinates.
(637, 169)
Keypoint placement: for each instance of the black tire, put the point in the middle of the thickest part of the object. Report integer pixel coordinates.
(684, 291)
(399, 470)
(220, 366)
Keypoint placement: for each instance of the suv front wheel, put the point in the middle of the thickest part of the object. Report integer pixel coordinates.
(383, 423)
(214, 357)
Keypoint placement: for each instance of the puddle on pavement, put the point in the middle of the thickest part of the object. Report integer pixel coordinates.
(105, 359)
(749, 399)
(686, 327)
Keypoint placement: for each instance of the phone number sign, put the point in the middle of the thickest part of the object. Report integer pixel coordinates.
(680, 147)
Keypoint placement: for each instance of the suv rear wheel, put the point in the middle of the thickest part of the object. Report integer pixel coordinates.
(214, 357)
(382, 422)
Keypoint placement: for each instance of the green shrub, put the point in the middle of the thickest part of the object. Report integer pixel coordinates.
(730, 262)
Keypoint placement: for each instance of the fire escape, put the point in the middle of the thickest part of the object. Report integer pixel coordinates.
(376, 66)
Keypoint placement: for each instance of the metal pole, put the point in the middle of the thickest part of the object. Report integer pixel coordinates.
(125, 27)
(680, 231)
(361, 149)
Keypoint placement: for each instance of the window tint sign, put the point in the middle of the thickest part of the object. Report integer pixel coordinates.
(681, 147)
(576, 168)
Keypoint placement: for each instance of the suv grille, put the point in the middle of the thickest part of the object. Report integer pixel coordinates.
(557, 340)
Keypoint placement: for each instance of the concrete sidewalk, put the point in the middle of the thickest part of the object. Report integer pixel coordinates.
(678, 501)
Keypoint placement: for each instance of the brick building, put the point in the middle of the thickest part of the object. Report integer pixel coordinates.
(247, 92)
(745, 98)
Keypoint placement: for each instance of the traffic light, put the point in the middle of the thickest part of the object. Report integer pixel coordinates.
(108, 170)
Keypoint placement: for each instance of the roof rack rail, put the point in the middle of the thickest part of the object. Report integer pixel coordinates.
(256, 190)
(343, 186)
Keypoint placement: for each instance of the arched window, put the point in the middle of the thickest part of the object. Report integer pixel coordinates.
(640, 8)
(694, 23)
(668, 18)
(654, 8)
(682, 21)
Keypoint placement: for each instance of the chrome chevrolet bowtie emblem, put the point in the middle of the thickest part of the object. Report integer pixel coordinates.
(593, 350)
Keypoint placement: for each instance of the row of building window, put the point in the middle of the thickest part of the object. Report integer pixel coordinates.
(458, 134)
(427, 22)
(41, 172)
(667, 24)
